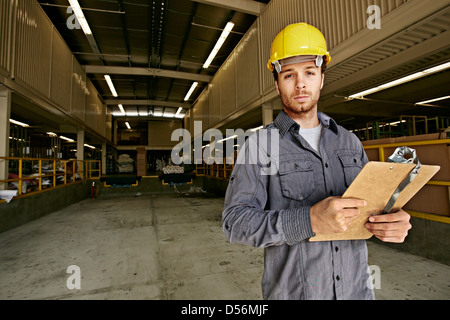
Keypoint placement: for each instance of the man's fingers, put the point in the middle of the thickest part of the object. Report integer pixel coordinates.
(399, 216)
(391, 227)
(352, 203)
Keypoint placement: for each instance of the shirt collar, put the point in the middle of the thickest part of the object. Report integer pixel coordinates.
(283, 122)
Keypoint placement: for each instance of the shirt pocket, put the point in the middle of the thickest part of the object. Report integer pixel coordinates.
(352, 165)
(296, 177)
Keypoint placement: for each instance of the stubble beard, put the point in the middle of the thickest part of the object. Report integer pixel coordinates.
(299, 110)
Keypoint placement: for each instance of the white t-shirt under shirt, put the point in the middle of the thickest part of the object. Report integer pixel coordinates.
(312, 136)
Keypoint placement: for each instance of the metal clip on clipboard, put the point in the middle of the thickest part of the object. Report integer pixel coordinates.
(399, 157)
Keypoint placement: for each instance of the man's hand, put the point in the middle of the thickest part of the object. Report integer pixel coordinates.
(334, 214)
(392, 227)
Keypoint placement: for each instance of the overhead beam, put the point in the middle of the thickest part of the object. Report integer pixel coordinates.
(246, 6)
(158, 103)
(151, 72)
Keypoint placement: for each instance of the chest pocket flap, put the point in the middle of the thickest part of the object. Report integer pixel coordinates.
(352, 165)
(296, 177)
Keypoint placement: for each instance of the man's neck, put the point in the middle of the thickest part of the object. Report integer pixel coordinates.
(306, 120)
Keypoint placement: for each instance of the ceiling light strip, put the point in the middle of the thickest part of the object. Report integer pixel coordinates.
(22, 124)
(433, 100)
(122, 109)
(219, 44)
(111, 85)
(403, 80)
(191, 90)
(80, 16)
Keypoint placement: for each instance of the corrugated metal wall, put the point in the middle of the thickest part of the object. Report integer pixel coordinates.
(5, 23)
(338, 20)
(43, 63)
(33, 47)
(61, 71)
(244, 78)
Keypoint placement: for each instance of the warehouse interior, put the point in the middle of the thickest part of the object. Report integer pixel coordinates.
(92, 92)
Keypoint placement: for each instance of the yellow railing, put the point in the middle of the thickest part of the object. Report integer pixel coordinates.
(382, 157)
(220, 171)
(33, 175)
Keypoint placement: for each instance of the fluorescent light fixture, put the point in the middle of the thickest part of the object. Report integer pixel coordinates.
(51, 133)
(191, 90)
(225, 139)
(128, 125)
(80, 16)
(121, 109)
(256, 129)
(397, 82)
(143, 111)
(19, 123)
(111, 85)
(180, 115)
(380, 126)
(158, 112)
(67, 139)
(219, 44)
(89, 146)
(168, 113)
(433, 100)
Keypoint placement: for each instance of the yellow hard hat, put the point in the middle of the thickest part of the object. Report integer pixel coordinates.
(299, 39)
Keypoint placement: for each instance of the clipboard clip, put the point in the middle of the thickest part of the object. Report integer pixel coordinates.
(399, 156)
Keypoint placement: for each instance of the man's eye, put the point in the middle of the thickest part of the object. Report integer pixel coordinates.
(288, 76)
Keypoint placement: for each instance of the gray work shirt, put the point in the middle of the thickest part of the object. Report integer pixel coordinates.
(276, 179)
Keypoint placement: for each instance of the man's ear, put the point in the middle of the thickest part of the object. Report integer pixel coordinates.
(323, 80)
(276, 85)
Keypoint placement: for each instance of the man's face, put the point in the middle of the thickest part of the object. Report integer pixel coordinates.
(299, 87)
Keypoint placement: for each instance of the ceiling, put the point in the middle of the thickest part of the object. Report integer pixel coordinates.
(155, 49)
(172, 38)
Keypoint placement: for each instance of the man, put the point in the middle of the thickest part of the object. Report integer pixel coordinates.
(315, 161)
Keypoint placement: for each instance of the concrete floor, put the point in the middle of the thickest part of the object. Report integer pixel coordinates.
(165, 247)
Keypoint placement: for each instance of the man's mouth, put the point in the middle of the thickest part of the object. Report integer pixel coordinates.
(301, 98)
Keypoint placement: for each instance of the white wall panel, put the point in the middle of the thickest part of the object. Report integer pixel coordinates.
(5, 45)
(228, 86)
(79, 90)
(201, 110)
(61, 72)
(108, 124)
(91, 106)
(214, 101)
(33, 46)
(247, 68)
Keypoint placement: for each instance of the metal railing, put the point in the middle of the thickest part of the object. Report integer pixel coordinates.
(382, 157)
(32, 175)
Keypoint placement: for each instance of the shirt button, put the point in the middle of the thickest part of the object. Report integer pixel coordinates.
(336, 248)
(338, 278)
(326, 165)
(300, 198)
(331, 192)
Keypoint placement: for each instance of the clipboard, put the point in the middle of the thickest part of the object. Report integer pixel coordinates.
(376, 183)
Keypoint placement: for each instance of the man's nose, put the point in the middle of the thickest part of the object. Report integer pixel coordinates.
(300, 84)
